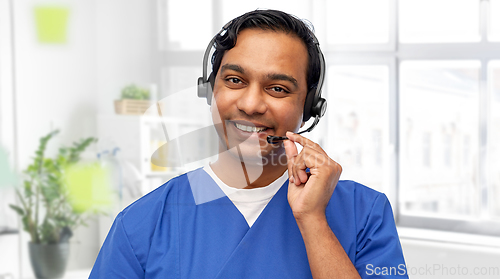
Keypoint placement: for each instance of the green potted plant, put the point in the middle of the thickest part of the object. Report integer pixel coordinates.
(46, 211)
(134, 100)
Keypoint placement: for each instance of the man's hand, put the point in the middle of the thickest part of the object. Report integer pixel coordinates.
(308, 196)
(309, 192)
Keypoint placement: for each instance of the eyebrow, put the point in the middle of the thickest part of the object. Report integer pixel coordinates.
(271, 76)
(284, 78)
(234, 67)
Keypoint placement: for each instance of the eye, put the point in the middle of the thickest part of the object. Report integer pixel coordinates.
(278, 89)
(234, 80)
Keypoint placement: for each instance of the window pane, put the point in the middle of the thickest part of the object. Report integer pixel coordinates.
(186, 30)
(181, 81)
(439, 138)
(175, 79)
(494, 28)
(358, 122)
(185, 118)
(298, 8)
(431, 21)
(358, 22)
(493, 151)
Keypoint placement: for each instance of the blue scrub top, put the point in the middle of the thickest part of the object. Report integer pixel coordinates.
(169, 233)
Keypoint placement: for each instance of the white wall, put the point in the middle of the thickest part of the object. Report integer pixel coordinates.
(431, 259)
(446, 254)
(56, 88)
(124, 37)
(65, 86)
(9, 256)
(56, 83)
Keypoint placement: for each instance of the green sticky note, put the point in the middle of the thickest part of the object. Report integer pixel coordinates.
(7, 176)
(89, 187)
(51, 24)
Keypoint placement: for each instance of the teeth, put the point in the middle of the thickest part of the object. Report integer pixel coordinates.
(249, 128)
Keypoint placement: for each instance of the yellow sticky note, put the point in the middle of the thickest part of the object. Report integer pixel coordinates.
(51, 24)
(89, 187)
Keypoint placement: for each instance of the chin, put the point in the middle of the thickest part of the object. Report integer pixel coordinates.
(262, 156)
(247, 152)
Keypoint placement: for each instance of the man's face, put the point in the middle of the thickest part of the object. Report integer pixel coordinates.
(260, 90)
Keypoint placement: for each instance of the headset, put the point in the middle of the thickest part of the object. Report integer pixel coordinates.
(315, 106)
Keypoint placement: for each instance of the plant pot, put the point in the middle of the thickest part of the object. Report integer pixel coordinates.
(49, 260)
(129, 106)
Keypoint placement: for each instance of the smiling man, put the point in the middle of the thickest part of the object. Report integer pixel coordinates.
(259, 90)
(260, 210)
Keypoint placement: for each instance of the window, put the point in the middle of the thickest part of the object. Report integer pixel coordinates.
(298, 8)
(493, 150)
(413, 89)
(439, 103)
(494, 24)
(177, 25)
(358, 120)
(357, 22)
(428, 21)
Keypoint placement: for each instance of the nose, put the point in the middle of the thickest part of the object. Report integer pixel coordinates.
(252, 100)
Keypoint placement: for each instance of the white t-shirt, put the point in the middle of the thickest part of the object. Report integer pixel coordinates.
(250, 202)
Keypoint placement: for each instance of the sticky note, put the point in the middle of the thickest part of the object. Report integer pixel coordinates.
(89, 187)
(51, 24)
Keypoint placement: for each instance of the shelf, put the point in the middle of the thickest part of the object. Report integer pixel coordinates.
(5, 230)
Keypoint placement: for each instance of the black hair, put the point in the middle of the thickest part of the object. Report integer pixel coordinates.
(270, 20)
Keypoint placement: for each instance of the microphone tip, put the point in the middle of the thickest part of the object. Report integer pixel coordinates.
(275, 139)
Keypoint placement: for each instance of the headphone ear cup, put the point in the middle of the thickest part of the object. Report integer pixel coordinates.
(308, 104)
(319, 108)
(205, 88)
(202, 88)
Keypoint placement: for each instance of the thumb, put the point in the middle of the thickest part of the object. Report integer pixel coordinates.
(291, 152)
(290, 149)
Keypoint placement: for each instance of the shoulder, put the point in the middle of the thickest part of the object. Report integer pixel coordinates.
(357, 192)
(356, 204)
(151, 206)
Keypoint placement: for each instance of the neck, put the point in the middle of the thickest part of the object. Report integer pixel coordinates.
(246, 174)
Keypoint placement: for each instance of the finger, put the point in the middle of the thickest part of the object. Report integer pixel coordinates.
(302, 162)
(291, 152)
(301, 173)
(291, 171)
(304, 141)
(316, 161)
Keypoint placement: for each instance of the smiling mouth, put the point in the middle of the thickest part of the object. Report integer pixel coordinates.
(250, 129)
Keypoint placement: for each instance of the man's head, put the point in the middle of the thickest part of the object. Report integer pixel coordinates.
(263, 71)
(271, 20)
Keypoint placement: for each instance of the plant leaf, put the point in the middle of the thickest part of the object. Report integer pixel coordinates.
(17, 209)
